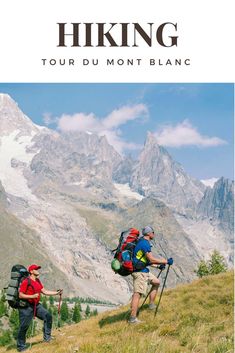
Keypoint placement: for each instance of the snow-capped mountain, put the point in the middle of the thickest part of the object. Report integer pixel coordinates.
(13, 119)
(76, 193)
(72, 246)
(17, 132)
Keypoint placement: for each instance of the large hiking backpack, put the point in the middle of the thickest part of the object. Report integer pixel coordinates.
(122, 263)
(18, 274)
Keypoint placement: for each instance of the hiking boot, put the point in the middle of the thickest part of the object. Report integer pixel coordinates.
(22, 349)
(134, 320)
(152, 306)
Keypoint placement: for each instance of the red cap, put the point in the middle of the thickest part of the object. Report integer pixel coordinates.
(33, 267)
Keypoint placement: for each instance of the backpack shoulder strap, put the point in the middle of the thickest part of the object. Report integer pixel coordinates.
(119, 242)
(29, 284)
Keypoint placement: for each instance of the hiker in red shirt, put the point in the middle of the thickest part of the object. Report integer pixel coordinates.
(30, 290)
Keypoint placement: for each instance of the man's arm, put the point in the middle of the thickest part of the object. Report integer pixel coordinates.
(51, 292)
(28, 296)
(153, 260)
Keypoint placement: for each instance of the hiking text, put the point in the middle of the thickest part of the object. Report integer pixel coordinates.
(117, 34)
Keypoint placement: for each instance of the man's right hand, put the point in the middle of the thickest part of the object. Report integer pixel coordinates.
(35, 296)
(162, 267)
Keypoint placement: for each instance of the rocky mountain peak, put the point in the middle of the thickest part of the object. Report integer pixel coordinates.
(151, 145)
(218, 203)
(150, 139)
(6, 100)
(156, 173)
(223, 182)
(219, 196)
(12, 118)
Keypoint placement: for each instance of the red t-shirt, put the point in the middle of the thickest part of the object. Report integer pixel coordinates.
(32, 288)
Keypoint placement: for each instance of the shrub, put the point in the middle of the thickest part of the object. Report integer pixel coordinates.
(76, 314)
(5, 338)
(215, 265)
(64, 311)
(88, 311)
(203, 269)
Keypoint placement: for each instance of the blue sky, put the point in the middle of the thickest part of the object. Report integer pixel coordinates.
(193, 121)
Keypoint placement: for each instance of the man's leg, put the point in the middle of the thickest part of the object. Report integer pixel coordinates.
(140, 281)
(25, 318)
(135, 304)
(44, 315)
(154, 281)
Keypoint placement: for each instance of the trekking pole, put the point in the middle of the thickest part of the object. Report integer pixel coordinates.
(33, 324)
(162, 249)
(59, 307)
(138, 311)
(164, 252)
(162, 291)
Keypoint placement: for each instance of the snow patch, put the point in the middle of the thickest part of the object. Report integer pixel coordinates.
(78, 183)
(125, 190)
(13, 179)
(209, 182)
(40, 127)
(3, 96)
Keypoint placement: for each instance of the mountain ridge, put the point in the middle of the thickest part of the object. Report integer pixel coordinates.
(67, 192)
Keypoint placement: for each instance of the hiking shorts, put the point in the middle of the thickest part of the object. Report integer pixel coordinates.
(141, 280)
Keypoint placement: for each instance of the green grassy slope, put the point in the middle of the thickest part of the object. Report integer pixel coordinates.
(196, 317)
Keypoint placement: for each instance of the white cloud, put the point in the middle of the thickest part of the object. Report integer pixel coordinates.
(184, 134)
(124, 114)
(79, 122)
(108, 126)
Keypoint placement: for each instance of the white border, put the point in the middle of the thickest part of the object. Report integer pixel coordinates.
(28, 33)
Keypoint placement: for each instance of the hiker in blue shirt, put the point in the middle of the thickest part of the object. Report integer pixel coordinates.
(142, 258)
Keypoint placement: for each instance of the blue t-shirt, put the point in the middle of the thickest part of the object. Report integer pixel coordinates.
(139, 258)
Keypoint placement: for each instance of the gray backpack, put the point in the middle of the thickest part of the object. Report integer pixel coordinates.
(18, 274)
